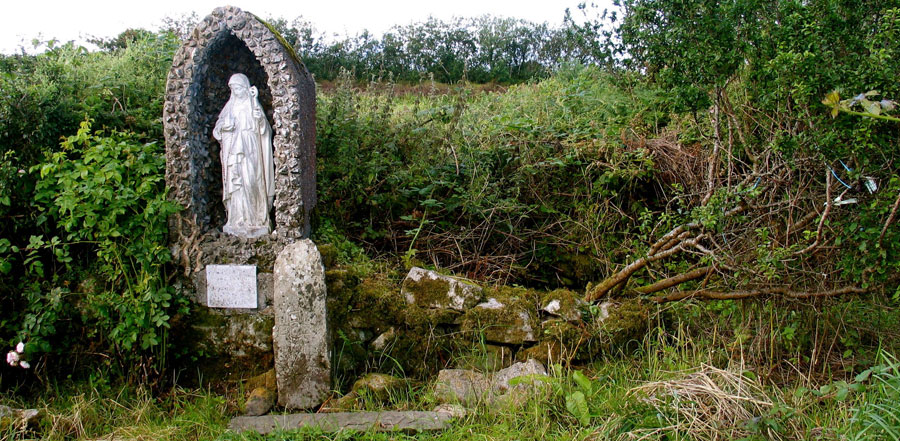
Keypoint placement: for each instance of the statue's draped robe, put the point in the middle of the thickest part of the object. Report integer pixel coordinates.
(248, 182)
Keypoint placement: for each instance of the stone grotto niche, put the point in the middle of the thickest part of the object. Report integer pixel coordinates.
(232, 279)
(232, 41)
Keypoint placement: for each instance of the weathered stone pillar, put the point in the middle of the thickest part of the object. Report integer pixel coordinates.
(300, 336)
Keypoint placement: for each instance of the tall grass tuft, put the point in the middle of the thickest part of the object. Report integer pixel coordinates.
(878, 418)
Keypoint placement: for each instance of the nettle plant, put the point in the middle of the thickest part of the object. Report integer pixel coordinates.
(102, 198)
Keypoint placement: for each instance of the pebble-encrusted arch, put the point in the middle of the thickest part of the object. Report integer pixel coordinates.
(231, 40)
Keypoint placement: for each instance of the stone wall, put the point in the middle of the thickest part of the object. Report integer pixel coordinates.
(429, 321)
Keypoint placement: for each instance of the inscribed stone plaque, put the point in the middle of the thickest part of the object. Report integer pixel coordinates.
(231, 286)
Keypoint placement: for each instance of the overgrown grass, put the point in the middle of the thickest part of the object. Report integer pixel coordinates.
(80, 411)
(672, 387)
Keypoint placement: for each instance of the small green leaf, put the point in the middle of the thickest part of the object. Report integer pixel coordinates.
(584, 383)
(577, 405)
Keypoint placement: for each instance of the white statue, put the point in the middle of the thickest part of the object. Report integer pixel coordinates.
(248, 184)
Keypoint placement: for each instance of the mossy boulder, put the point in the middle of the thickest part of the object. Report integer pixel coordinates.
(621, 323)
(462, 386)
(266, 380)
(428, 289)
(221, 345)
(486, 358)
(563, 303)
(508, 317)
(418, 351)
(379, 386)
(547, 352)
(260, 401)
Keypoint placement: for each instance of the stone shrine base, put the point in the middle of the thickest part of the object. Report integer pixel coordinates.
(248, 232)
(334, 422)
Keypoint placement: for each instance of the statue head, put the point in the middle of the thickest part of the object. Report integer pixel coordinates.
(240, 85)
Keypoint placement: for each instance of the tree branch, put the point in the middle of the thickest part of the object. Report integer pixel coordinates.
(675, 280)
(735, 295)
(890, 218)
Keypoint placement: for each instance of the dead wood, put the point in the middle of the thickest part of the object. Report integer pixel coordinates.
(736, 295)
(675, 280)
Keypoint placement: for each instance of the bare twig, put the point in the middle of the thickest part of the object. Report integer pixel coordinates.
(828, 204)
(736, 295)
(890, 218)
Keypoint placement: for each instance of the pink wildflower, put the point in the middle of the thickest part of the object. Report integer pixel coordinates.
(12, 358)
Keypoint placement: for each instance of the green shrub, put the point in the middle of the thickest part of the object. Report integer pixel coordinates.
(102, 198)
(487, 183)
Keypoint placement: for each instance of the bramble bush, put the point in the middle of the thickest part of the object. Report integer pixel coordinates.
(501, 186)
(103, 276)
(82, 237)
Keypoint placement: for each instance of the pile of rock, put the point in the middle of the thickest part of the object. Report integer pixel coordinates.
(434, 321)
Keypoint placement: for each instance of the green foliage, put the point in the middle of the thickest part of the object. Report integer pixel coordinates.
(485, 182)
(878, 416)
(689, 46)
(482, 49)
(44, 97)
(103, 194)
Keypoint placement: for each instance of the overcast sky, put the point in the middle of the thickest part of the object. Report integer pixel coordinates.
(80, 19)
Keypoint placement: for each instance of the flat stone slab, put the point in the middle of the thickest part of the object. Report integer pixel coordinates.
(334, 422)
(231, 286)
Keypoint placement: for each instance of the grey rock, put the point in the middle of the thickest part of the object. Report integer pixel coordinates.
(462, 386)
(260, 401)
(491, 303)
(378, 386)
(265, 287)
(428, 289)
(333, 422)
(469, 388)
(300, 335)
(343, 404)
(604, 311)
(384, 339)
(529, 367)
(453, 410)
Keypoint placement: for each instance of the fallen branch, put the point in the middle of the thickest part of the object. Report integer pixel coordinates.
(670, 243)
(675, 280)
(736, 295)
(828, 204)
(608, 284)
(890, 218)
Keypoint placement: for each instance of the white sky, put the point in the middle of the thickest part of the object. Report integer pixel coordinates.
(78, 19)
